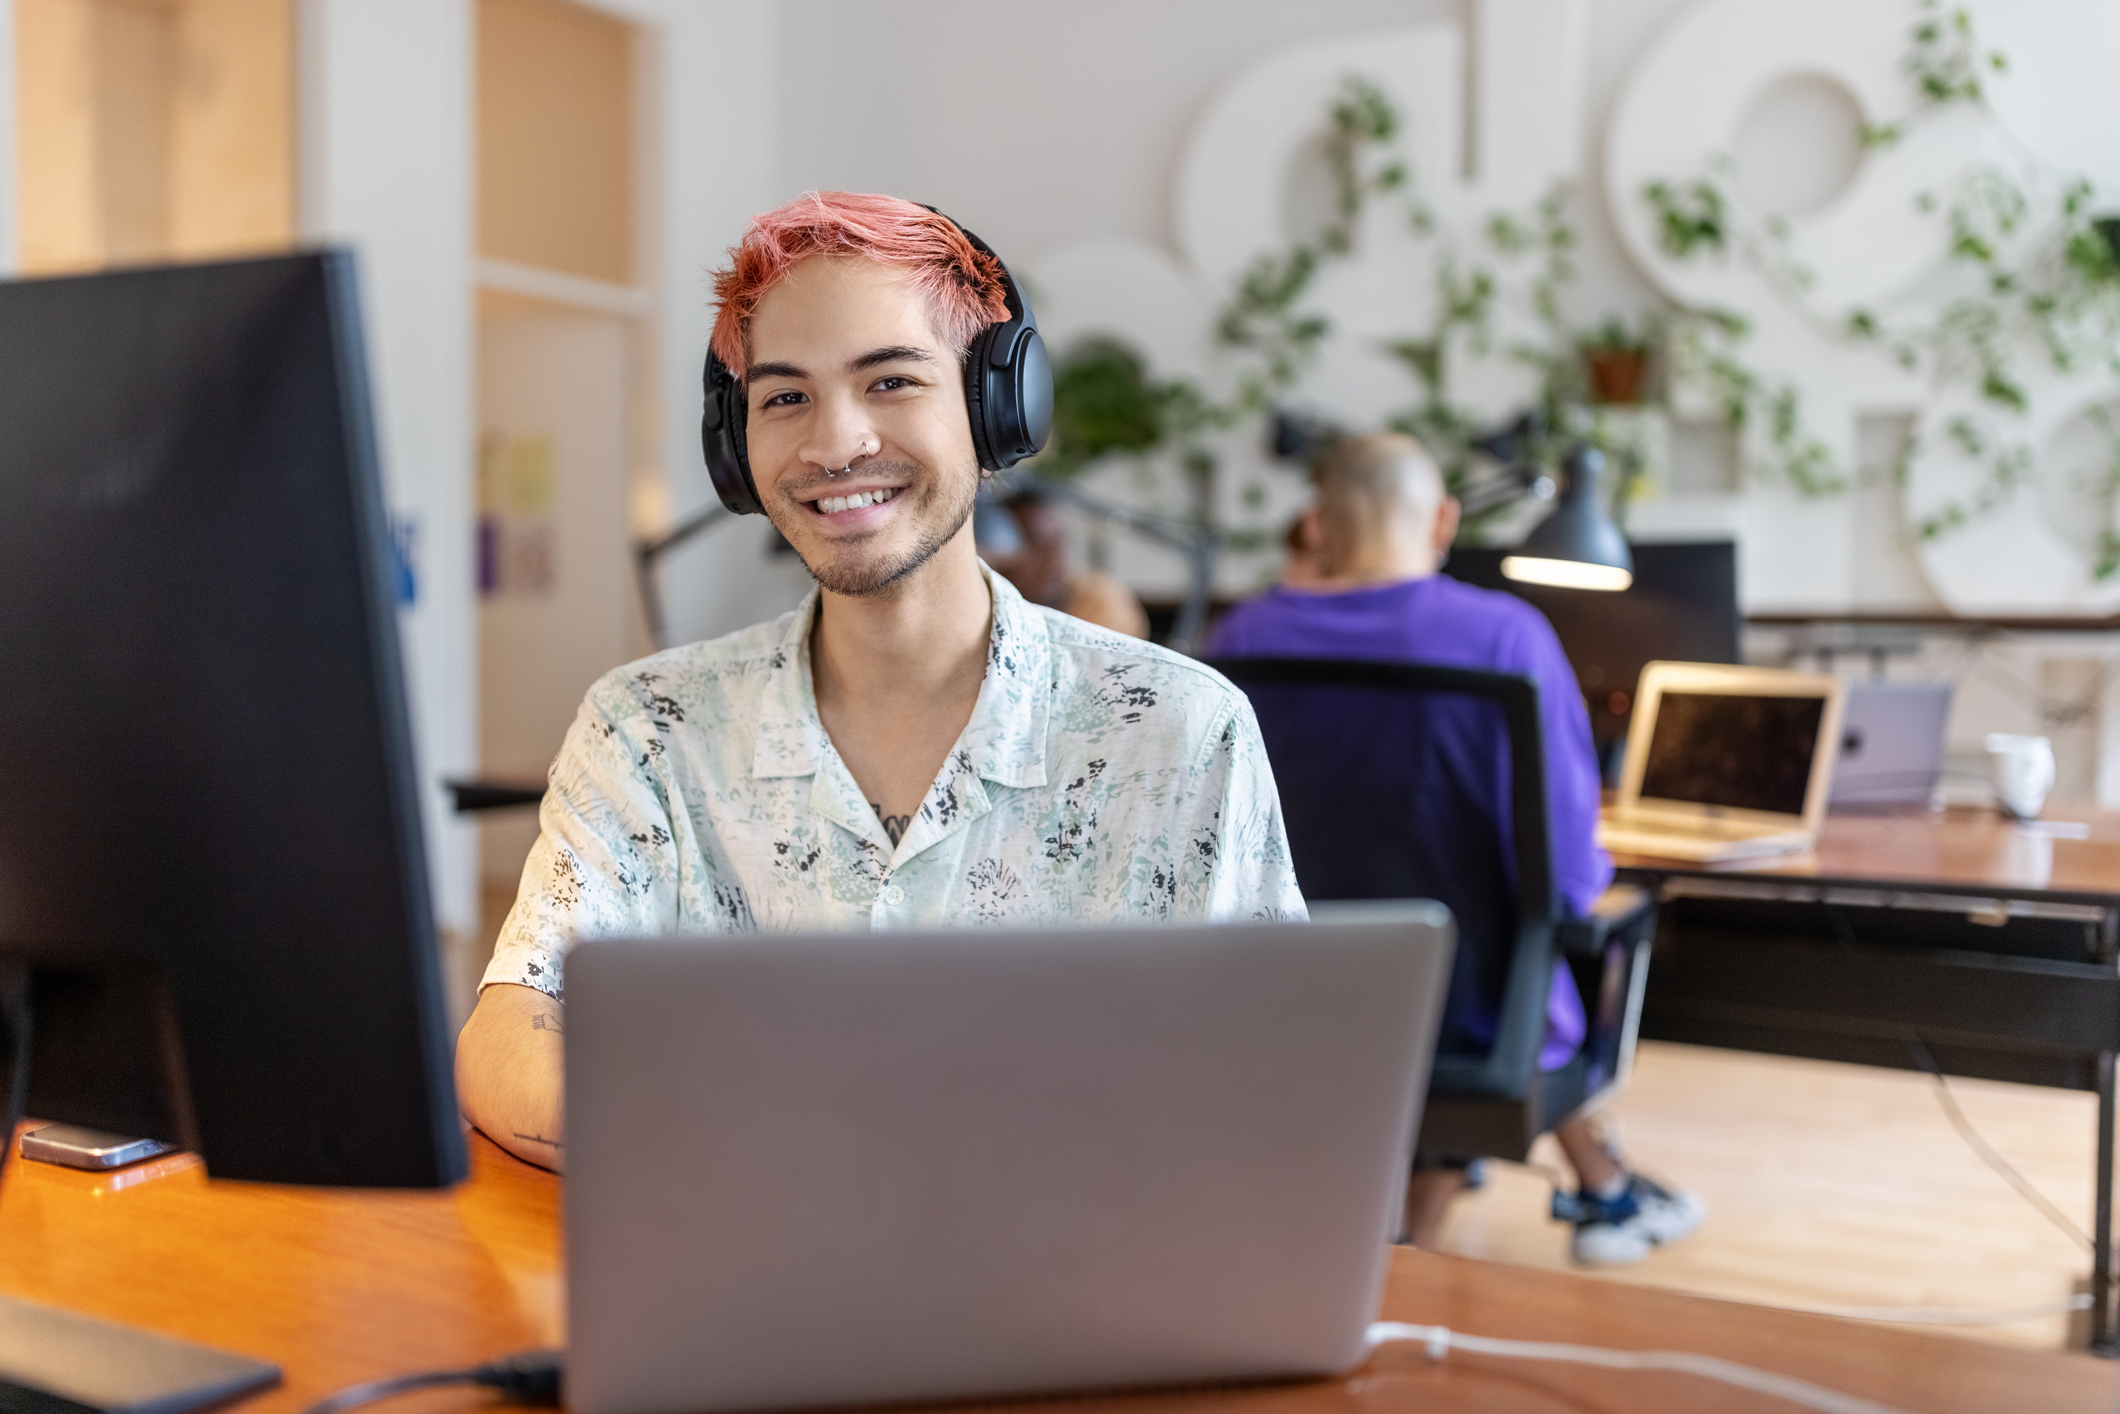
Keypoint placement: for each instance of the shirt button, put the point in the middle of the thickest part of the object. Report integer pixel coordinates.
(893, 895)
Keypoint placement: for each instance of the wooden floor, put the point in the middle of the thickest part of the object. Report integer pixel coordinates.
(1829, 1186)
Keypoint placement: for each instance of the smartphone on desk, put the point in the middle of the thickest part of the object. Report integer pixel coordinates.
(81, 1148)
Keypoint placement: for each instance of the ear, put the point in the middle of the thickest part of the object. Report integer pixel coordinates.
(1447, 516)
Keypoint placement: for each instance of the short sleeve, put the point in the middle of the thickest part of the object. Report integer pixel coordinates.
(605, 858)
(1235, 865)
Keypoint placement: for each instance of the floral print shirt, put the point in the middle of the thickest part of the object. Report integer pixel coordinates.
(1100, 779)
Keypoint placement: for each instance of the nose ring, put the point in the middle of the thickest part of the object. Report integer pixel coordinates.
(864, 452)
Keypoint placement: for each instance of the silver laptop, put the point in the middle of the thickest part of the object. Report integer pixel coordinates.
(1891, 744)
(1725, 763)
(857, 1169)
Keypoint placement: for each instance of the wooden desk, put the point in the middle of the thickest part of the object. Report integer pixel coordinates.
(342, 1287)
(1957, 937)
(1958, 850)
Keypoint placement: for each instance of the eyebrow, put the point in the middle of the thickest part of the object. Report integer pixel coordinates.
(891, 353)
(896, 353)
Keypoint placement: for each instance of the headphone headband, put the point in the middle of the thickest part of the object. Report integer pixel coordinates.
(1008, 394)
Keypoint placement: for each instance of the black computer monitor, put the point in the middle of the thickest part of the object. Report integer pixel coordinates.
(211, 870)
(1682, 607)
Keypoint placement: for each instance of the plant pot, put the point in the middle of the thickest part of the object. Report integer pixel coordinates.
(1619, 377)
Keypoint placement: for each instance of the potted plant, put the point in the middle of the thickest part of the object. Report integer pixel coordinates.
(1616, 363)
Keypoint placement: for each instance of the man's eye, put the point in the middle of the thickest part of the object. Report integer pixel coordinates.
(786, 399)
(892, 382)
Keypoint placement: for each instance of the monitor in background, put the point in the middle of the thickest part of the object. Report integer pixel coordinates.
(211, 871)
(1682, 607)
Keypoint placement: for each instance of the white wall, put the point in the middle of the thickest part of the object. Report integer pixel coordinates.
(1036, 125)
(1063, 126)
(1064, 123)
(385, 162)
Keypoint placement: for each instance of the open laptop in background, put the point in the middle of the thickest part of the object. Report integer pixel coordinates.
(870, 1168)
(1725, 763)
(1891, 744)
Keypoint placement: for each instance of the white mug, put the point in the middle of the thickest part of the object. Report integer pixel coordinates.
(2022, 771)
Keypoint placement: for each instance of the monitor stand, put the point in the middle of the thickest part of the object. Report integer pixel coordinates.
(57, 1362)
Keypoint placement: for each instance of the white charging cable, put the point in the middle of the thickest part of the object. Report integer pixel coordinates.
(1441, 1340)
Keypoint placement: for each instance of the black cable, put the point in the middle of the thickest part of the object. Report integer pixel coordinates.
(24, 1029)
(1988, 1155)
(529, 1377)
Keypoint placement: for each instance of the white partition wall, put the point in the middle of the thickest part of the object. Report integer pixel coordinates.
(713, 159)
(384, 99)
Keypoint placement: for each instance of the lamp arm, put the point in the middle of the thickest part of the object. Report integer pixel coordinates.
(1513, 483)
(1164, 530)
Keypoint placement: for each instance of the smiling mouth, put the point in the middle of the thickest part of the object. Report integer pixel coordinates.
(833, 505)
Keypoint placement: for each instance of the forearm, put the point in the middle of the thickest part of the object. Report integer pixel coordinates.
(510, 1080)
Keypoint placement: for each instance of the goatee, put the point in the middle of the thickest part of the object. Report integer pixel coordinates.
(859, 576)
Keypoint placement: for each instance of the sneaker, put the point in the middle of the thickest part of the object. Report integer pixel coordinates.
(1613, 1232)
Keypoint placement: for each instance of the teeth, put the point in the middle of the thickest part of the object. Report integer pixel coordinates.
(832, 505)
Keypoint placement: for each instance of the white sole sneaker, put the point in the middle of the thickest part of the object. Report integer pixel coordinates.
(1659, 1218)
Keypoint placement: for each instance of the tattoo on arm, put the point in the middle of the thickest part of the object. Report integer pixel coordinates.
(546, 1021)
(540, 1139)
(893, 825)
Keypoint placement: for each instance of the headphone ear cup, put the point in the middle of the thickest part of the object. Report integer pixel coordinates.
(722, 421)
(1032, 385)
(1012, 410)
(978, 399)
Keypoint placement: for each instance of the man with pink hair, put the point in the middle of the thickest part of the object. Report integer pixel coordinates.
(914, 746)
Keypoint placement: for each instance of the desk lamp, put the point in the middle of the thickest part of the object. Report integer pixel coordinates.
(1578, 546)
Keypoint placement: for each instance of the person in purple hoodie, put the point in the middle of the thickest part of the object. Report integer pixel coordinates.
(1383, 526)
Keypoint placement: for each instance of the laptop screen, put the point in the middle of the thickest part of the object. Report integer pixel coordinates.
(1739, 751)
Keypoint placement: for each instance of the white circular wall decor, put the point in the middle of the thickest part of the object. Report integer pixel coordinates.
(1127, 291)
(2012, 558)
(1232, 194)
(1684, 106)
(1798, 145)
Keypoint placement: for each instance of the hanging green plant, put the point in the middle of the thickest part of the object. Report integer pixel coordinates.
(2041, 275)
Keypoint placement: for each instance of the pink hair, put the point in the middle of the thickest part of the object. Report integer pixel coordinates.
(962, 285)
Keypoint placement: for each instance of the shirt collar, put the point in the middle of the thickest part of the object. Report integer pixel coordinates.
(1006, 735)
(1005, 738)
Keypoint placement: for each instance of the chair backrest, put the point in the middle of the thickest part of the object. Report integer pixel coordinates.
(1407, 780)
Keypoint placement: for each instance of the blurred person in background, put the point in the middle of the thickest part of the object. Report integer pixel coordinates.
(1304, 568)
(1372, 589)
(1025, 539)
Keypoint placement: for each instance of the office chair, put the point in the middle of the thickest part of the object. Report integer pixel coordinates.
(1402, 780)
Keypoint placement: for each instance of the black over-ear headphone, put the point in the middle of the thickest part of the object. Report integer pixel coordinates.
(1008, 389)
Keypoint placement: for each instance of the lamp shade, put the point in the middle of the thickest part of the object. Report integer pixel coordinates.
(1578, 546)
